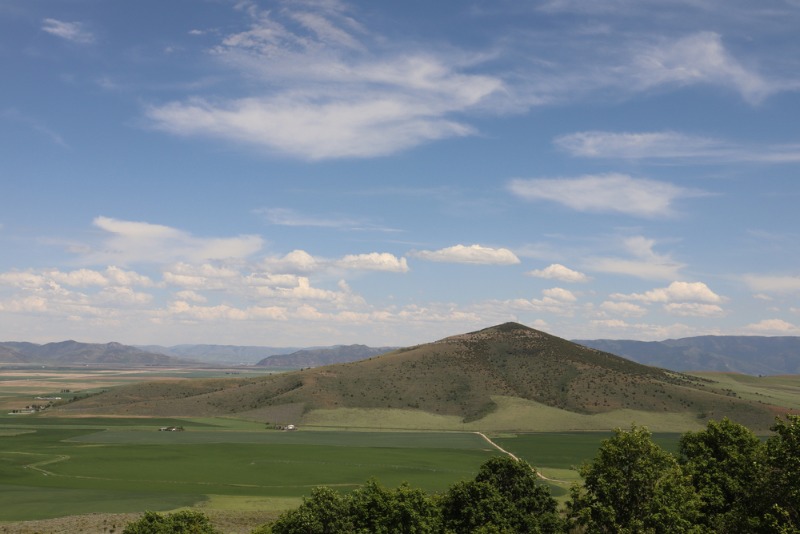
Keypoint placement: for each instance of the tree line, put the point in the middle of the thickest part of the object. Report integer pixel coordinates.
(723, 479)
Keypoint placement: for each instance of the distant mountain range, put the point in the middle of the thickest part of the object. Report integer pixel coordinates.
(220, 354)
(322, 356)
(71, 353)
(752, 355)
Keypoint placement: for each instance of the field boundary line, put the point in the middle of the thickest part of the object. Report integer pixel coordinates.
(515, 458)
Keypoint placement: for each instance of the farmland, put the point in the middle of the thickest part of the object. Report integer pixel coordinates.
(52, 467)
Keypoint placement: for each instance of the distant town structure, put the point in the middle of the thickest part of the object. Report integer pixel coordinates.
(171, 429)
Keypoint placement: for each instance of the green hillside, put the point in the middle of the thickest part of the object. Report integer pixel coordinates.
(459, 378)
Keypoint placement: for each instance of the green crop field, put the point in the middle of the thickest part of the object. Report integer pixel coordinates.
(53, 467)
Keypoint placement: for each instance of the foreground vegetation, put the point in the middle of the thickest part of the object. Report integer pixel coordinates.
(723, 480)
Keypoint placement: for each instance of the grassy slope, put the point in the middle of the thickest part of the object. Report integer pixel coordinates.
(455, 381)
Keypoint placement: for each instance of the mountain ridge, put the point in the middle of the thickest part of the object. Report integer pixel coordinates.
(751, 355)
(459, 376)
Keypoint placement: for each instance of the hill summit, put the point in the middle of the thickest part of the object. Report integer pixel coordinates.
(462, 375)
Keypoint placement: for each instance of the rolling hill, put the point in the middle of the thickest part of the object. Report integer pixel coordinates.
(464, 378)
(753, 355)
(71, 353)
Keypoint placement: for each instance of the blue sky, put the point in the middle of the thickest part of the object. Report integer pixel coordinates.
(319, 172)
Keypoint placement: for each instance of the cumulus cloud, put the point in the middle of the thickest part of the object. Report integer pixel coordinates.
(71, 31)
(556, 300)
(300, 261)
(374, 261)
(642, 262)
(625, 309)
(475, 254)
(605, 193)
(675, 292)
(141, 242)
(556, 271)
(774, 326)
(331, 89)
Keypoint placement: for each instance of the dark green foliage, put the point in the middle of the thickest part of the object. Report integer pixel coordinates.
(185, 522)
(726, 463)
(634, 486)
(783, 476)
(504, 497)
(371, 509)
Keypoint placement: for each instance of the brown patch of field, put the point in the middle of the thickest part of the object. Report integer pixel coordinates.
(225, 521)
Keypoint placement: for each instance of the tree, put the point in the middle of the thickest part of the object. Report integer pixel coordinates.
(324, 512)
(634, 486)
(184, 522)
(375, 509)
(783, 476)
(725, 462)
(505, 496)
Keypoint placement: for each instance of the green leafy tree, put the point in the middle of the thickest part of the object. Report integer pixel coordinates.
(726, 463)
(783, 476)
(184, 522)
(375, 509)
(634, 486)
(324, 512)
(506, 496)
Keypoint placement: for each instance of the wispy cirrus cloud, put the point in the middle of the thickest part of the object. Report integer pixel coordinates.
(699, 58)
(604, 193)
(772, 283)
(640, 260)
(71, 31)
(474, 254)
(290, 217)
(674, 146)
(331, 89)
(127, 242)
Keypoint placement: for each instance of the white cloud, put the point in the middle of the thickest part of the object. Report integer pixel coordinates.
(693, 309)
(694, 59)
(774, 326)
(641, 145)
(676, 292)
(646, 263)
(772, 284)
(289, 217)
(625, 309)
(142, 242)
(373, 262)
(475, 254)
(327, 94)
(560, 294)
(300, 261)
(296, 261)
(673, 146)
(71, 31)
(556, 271)
(605, 193)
